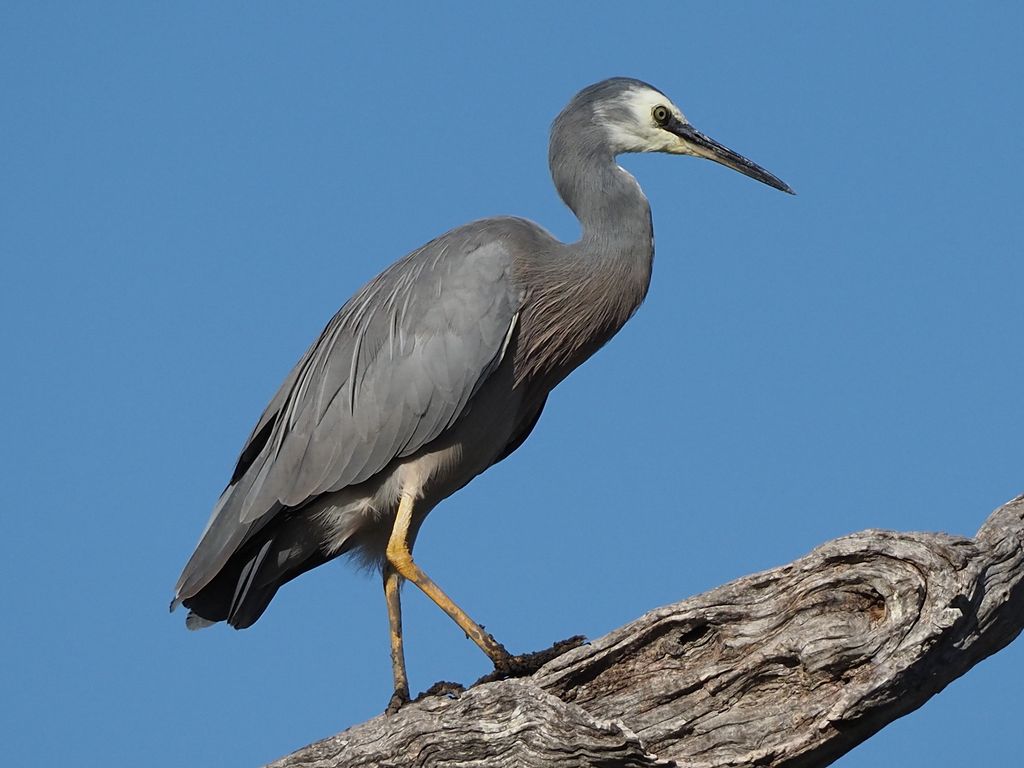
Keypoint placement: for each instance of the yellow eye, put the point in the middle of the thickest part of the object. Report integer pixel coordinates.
(661, 114)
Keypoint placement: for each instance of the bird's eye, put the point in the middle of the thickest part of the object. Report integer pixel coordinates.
(661, 114)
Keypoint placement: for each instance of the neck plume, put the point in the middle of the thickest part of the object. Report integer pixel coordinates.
(582, 294)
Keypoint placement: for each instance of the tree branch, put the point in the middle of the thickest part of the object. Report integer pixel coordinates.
(791, 667)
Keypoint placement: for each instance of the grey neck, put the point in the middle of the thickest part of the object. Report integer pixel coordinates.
(614, 214)
(581, 298)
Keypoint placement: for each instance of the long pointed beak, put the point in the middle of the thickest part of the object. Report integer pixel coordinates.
(703, 146)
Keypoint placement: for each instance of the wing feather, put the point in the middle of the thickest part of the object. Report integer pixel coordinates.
(395, 367)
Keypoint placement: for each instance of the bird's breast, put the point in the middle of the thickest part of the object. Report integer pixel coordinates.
(562, 326)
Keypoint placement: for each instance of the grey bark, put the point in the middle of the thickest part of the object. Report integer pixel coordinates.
(790, 667)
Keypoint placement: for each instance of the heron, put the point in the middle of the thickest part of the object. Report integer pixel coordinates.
(438, 369)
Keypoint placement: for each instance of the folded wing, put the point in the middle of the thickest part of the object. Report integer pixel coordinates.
(393, 369)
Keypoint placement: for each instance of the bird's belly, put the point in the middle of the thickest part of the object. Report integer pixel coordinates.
(359, 519)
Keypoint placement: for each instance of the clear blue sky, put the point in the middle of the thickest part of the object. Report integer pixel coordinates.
(190, 190)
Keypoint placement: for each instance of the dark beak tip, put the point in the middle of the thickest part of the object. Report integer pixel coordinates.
(727, 157)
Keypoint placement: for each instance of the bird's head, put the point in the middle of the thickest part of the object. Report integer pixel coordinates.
(636, 117)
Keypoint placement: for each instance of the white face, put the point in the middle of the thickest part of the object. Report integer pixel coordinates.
(639, 132)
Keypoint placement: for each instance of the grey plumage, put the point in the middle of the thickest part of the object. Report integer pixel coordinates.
(394, 368)
(440, 366)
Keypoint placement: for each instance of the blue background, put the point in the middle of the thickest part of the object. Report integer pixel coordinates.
(190, 190)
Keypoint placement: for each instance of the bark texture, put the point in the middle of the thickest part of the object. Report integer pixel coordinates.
(791, 667)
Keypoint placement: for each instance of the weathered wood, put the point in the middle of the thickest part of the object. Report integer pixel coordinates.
(790, 667)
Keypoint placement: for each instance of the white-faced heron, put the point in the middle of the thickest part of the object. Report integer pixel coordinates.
(438, 369)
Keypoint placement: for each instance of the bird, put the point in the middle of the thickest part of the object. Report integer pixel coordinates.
(436, 370)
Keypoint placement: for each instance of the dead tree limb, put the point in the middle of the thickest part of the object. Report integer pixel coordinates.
(791, 667)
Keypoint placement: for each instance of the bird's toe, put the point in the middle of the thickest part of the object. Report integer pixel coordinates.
(398, 700)
(526, 664)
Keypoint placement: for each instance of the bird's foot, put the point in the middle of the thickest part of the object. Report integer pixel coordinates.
(527, 663)
(505, 667)
(398, 700)
(443, 688)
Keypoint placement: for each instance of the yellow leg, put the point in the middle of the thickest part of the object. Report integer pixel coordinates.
(399, 558)
(392, 583)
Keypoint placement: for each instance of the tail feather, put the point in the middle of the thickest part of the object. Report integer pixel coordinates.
(194, 621)
(221, 539)
(243, 588)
